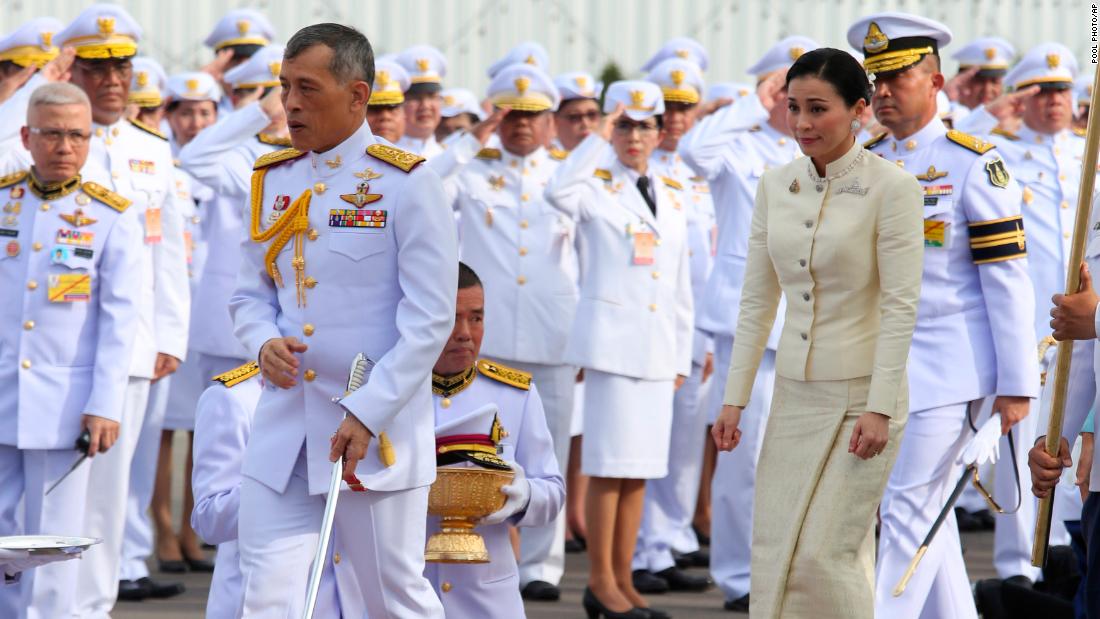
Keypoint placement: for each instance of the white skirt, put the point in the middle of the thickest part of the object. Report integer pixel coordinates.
(627, 426)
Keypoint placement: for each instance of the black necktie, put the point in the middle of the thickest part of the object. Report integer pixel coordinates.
(643, 188)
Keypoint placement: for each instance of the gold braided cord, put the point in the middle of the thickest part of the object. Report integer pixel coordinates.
(292, 224)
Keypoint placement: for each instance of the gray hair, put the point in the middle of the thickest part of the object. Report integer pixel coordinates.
(58, 93)
(352, 56)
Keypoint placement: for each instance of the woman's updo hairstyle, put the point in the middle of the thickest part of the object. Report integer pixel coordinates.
(837, 67)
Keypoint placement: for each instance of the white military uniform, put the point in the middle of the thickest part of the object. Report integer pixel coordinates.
(29, 44)
(372, 278)
(670, 501)
(74, 251)
(633, 328)
(223, 422)
(731, 149)
(238, 27)
(492, 590)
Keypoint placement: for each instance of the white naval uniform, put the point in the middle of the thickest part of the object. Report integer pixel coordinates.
(633, 328)
(670, 501)
(59, 360)
(985, 310)
(524, 251)
(223, 422)
(426, 148)
(492, 590)
(732, 149)
(386, 291)
(141, 169)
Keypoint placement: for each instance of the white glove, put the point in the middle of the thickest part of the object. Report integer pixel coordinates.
(518, 493)
(986, 444)
(14, 561)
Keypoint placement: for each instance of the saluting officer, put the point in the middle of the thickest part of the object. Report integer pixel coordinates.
(975, 297)
(29, 45)
(983, 64)
(71, 264)
(578, 112)
(348, 234)
(426, 66)
(468, 393)
(386, 108)
(28, 56)
(239, 34)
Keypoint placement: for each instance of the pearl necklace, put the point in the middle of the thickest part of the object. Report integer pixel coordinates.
(819, 182)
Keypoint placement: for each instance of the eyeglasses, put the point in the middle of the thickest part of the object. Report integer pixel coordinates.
(101, 69)
(588, 116)
(626, 127)
(55, 136)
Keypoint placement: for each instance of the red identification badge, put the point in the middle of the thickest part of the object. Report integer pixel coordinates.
(644, 242)
(281, 203)
(153, 233)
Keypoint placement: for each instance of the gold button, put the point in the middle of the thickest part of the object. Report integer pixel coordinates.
(521, 280)
(1061, 177)
(310, 282)
(99, 132)
(319, 188)
(447, 586)
(653, 307)
(1065, 204)
(657, 242)
(32, 285)
(782, 141)
(309, 375)
(26, 364)
(195, 220)
(313, 234)
(525, 197)
(445, 403)
(45, 206)
(523, 224)
(523, 251)
(307, 329)
(114, 175)
(36, 246)
(336, 557)
(28, 325)
(1065, 235)
(656, 275)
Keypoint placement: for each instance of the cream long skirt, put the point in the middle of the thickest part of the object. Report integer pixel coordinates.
(813, 547)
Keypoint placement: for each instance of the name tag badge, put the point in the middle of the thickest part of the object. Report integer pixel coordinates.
(143, 167)
(76, 238)
(153, 231)
(356, 218)
(935, 233)
(644, 242)
(70, 288)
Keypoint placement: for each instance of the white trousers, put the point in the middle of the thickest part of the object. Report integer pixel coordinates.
(46, 592)
(105, 513)
(137, 538)
(670, 501)
(542, 549)
(926, 471)
(734, 483)
(376, 563)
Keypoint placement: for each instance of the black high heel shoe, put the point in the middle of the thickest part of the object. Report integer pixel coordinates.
(654, 613)
(594, 608)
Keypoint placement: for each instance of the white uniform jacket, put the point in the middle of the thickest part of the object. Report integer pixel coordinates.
(378, 280)
(71, 267)
(635, 316)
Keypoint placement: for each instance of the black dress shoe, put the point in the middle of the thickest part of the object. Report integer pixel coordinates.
(574, 546)
(132, 591)
(646, 581)
(699, 558)
(740, 605)
(171, 567)
(161, 590)
(679, 580)
(540, 591)
(1020, 581)
(204, 566)
(985, 517)
(704, 539)
(595, 609)
(967, 522)
(143, 588)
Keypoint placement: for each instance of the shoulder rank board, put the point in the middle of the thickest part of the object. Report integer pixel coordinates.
(491, 154)
(147, 129)
(670, 182)
(875, 141)
(401, 159)
(278, 156)
(11, 179)
(238, 375)
(106, 196)
(970, 142)
(602, 174)
(558, 154)
(502, 373)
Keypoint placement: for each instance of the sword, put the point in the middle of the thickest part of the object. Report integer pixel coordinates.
(971, 470)
(83, 444)
(357, 377)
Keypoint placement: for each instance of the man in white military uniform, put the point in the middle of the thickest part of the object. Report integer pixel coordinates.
(975, 297)
(223, 423)
(468, 395)
(386, 108)
(670, 501)
(72, 247)
(240, 33)
(731, 151)
(349, 234)
(578, 112)
(426, 66)
(29, 45)
(460, 112)
(524, 250)
(983, 63)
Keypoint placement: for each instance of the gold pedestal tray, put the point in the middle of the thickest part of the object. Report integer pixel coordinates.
(461, 497)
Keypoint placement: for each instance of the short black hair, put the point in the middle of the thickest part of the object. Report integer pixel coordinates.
(837, 67)
(467, 278)
(352, 56)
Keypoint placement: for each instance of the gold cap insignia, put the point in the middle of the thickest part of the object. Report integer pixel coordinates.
(637, 98)
(275, 68)
(677, 76)
(1053, 60)
(47, 39)
(683, 53)
(106, 26)
(581, 82)
(449, 101)
(142, 79)
(531, 60)
(192, 86)
(796, 52)
(522, 83)
(990, 53)
(242, 27)
(383, 78)
(876, 40)
(422, 64)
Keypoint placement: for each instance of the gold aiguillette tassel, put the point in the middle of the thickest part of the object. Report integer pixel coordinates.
(385, 450)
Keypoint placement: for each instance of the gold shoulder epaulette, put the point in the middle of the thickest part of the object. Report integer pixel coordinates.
(489, 153)
(671, 182)
(1079, 131)
(602, 174)
(970, 142)
(238, 374)
(276, 156)
(272, 140)
(558, 154)
(11, 179)
(875, 141)
(1006, 134)
(147, 129)
(106, 196)
(401, 159)
(502, 373)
